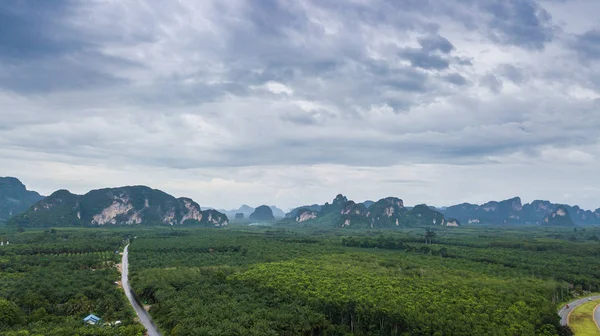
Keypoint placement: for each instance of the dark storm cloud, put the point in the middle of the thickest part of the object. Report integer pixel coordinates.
(456, 79)
(276, 82)
(34, 29)
(42, 51)
(402, 79)
(522, 23)
(420, 59)
(438, 43)
(491, 82)
(587, 45)
(54, 74)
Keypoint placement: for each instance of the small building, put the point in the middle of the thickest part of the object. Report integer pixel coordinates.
(91, 319)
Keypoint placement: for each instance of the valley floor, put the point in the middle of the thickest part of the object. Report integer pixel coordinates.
(297, 280)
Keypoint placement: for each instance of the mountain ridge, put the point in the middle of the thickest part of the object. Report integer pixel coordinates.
(126, 205)
(15, 198)
(248, 210)
(388, 212)
(512, 211)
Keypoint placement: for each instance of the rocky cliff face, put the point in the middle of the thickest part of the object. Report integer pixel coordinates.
(386, 213)
(350, 213)
(559, 217)
(112, 206)
(303, 215)
(214, 218)
(15, 198)
(294, 212)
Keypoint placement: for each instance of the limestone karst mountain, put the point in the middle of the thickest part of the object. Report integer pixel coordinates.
(117, 206)
(15, 198)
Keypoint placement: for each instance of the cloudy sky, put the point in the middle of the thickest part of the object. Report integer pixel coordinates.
(291, 102)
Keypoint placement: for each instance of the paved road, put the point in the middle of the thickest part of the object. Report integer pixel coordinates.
(597, 316)
(564, 312)
(139, 310)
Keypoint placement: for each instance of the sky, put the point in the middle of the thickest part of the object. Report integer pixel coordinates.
(292, 102)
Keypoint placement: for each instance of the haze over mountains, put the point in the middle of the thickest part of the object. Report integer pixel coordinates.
(247, 210)
(143, 205)
(512, 211)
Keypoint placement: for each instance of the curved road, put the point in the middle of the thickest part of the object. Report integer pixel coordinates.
(597, 316)
(139, 310)
(564, 312)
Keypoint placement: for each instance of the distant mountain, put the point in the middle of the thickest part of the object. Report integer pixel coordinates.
(511, 211)
(244, 209)
(368, 203)
(582, 217)
(386, 213)
(247, 210)
(277, 213)
(503, 212)
(15, 198)
(112, 206)
(262, 213)
(558, 217)
(294, 212)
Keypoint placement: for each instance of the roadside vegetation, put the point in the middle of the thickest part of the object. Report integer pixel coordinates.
(50, 280)
(310, 280)
(581, 319)
(305, 280)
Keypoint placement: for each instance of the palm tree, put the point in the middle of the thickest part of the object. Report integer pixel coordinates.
(429, 234)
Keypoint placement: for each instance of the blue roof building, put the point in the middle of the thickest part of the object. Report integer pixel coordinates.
(92, 319)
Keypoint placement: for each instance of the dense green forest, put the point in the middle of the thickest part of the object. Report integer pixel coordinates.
(50, 280)
(298, 281)
(269, 281)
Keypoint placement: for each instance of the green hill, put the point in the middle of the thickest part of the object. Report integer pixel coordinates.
(117, 206)
(15, 198)
(388, 212)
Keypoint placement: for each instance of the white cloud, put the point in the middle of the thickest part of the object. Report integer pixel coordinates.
(291, 103)
(279, 88)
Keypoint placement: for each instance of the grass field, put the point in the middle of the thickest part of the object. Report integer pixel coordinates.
(581, 320)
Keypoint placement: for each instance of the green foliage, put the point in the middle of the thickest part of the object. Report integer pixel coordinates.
(14, 197)
(53, 279)
(352, 290)
(265, 281)
(63, 205)
(135, 205)
(386, 213)
(464, 281)
(10, 314)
